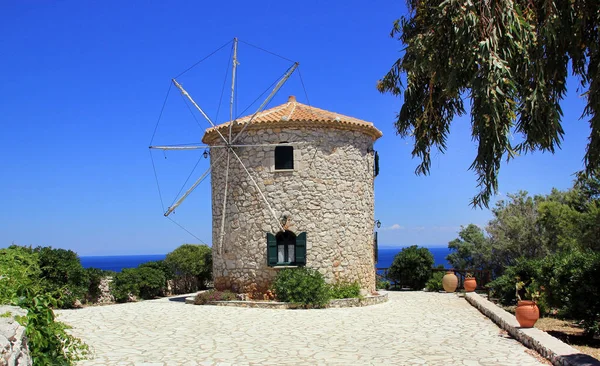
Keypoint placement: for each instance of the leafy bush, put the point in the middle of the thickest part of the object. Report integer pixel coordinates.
(383, 284)
(302, 286)
(213, 295)
(144, 282)
(344, 290)
(49, 342)
(192, 266)
(503, 287)
(93, 278)
(412, 267)
(435, 282)
(18, 267)
(62, 275)
(572, 284)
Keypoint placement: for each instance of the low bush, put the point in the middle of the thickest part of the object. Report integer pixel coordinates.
(213, 295)
(143, 282)
(435, 282)
(344, 290)
(572, 285)
(192, 267)
(383, 284)
(93, 278)
(412, 267)
(503, 287)
(49, 342)
(301, 286)
(18, 267)
(62, 275)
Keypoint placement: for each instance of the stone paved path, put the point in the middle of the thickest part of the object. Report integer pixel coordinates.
(412, 328)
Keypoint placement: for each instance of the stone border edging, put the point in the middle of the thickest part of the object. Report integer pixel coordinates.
(338, 303)
(556, 351)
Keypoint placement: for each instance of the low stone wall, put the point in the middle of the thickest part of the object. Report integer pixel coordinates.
(556, 351)
(365, 301)
(338, 303)
(14, 350)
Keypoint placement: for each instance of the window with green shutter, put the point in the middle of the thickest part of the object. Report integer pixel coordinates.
(376, 165)
(286, 249)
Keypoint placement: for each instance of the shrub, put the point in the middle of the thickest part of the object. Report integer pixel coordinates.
(572, 283)
(383, 284)
(412, 267)
(302, 286)
(192, 266)
(344, 290)
(503, 287)
(18, 267)
(435, 282)
(62, 275)
(213, 295)
(49, 342)
(93, 278)
(144, 282)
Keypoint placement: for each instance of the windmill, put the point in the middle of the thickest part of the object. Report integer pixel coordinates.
(228, 142)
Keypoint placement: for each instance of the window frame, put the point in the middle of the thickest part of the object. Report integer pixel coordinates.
(286, 157)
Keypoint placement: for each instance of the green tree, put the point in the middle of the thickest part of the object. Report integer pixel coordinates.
(192, 265)
(18, 267)
(412, 267)
(62, 274)
(471, 250)
(510, 60)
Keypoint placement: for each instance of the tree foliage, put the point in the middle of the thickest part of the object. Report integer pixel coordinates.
(551, 240)
(510, 59)
(412, 267)
(191, 261)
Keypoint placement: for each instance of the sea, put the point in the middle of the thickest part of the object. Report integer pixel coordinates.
(118, 262)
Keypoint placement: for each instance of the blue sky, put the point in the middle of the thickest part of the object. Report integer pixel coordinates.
(82, 84)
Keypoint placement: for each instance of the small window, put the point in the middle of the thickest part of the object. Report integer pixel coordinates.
(286, 249)
(284, 157)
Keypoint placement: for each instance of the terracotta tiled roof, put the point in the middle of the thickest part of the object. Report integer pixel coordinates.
(295, 114)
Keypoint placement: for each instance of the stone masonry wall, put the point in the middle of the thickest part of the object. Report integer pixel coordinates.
(14, 350)
(328, 195)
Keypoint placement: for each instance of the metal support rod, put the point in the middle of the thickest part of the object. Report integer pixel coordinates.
(233, 74)
(275, 90)
(167, 147)
(187, 193)
(187, 95)
(258, 188)
(222, 232)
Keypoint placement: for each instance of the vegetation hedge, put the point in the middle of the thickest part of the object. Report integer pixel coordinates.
(303, 286)
(411, 267)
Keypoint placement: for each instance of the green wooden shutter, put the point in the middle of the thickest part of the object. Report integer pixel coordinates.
(271, 249)
(301, 249)
(376, 168)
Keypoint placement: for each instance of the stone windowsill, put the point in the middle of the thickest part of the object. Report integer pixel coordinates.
(284, 170)
(282, 267)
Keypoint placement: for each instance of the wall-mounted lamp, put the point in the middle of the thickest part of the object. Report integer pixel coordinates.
(378, 223)
(206, 154)
(284, 221)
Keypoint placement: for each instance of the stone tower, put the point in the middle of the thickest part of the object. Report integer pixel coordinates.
(316, 170)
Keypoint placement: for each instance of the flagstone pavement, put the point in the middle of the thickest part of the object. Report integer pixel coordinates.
(411, 328)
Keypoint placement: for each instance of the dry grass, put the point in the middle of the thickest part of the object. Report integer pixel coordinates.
(571, 334)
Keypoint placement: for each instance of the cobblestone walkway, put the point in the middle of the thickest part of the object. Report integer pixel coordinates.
(412, 328)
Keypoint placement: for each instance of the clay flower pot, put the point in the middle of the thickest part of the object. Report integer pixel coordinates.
(450, 281)
(470, 284)
(527, 313)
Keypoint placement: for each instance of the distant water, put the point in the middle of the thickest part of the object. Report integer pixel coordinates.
(118, 262)
(386, 256)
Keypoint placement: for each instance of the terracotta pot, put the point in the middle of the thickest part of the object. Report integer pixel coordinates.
(450, 281)
(527, 313)
(470, 284)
